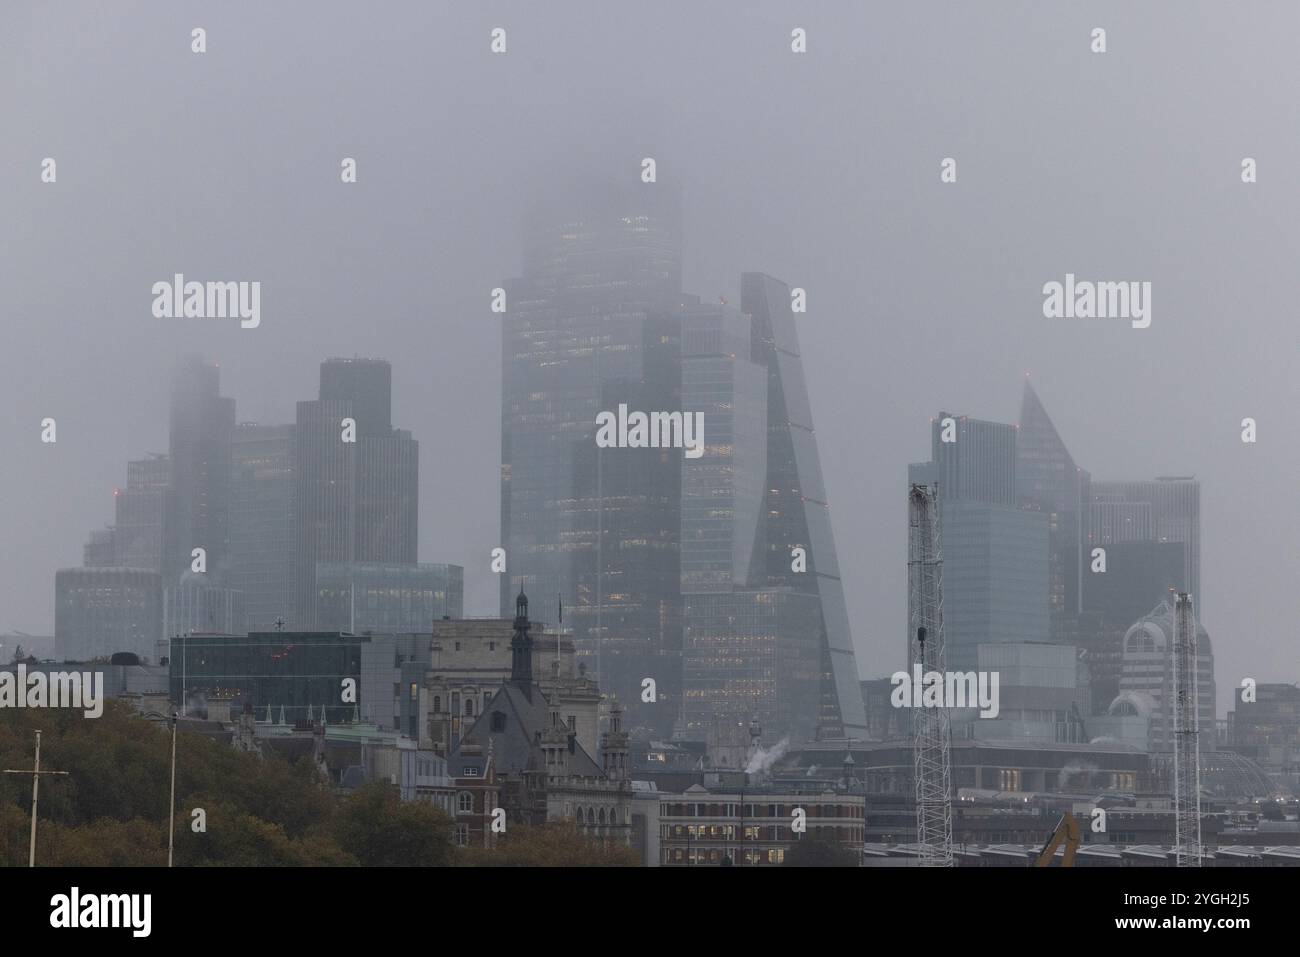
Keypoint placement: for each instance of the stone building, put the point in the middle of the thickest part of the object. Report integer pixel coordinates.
(528, 748)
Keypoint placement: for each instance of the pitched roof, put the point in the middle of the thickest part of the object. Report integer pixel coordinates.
(515, 749)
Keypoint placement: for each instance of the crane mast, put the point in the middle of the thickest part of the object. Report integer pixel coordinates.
(930, 726)
(1187, 752)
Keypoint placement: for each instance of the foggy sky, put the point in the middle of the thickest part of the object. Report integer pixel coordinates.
(820, 169)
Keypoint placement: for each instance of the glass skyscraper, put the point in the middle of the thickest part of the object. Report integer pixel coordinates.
(201, 422)
(796, 508)
(995, 554)
(263, 523)
(589, 325)
(628, 535)
(749, 651)
(1049, 481)
(356, 501)
(387, 598)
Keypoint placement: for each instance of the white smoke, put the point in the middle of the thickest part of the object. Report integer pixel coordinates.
(1076, 768)
(762, 759)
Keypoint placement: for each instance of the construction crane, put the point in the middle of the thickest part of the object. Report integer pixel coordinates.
(1067, 830)
(925, 648)
(1187, 751)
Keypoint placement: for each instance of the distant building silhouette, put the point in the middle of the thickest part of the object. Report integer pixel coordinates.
(264, 523)
(356, 501)
(995, 554)
(198, 505)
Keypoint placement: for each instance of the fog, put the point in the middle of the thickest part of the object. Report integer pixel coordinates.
(821, 169)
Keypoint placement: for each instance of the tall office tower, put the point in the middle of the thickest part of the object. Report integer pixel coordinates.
(263, 524)
(368, 385)
(357, 501)
(101, 611)
(197, 604)
(591, 324)
(387, 598)
(1049, 481)
(995, 554)
(141, 510)
(198, 505)
(796, 508)
(748, 651)
(100, 550)
(1166, 509)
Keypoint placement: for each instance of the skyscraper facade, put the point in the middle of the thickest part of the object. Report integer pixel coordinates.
(749, 652)
(356, 490)
(140, 511)
(591, 324)
(263, 523)
(101, 611)
(387, 598)
(1049, 481)
(796, 507)
(995, 554)
(201, 422)
(1165, 509)
(634, 538)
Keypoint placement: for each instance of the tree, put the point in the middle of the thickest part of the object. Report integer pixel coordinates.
(556, 844)
(379, 829)
(820, 849)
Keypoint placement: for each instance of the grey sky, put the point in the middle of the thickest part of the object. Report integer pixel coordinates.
(821, 169)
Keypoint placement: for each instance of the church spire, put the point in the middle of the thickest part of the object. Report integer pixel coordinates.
(521, 648)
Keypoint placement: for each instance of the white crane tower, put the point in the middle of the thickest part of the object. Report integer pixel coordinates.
(925, 647)
(1187, 751)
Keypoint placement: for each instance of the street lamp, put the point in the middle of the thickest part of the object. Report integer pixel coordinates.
(171, 813)
(36, 773)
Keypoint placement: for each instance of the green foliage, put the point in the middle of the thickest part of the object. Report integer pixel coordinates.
(820, 849)
(550, 845)
(380, 830)
(112, 808)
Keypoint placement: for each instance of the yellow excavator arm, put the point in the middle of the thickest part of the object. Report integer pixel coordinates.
(1067, 830)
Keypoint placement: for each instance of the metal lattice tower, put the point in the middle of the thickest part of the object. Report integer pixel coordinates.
(1187, 751)
(925, 648)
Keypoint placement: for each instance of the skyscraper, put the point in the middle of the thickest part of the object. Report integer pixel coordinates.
(101, 611)
(749, 651)
(198, 505)
(140, 511)
(264, 523)
(1049, 481)
(591, 324)
(1165, 509)
(357, 501)
(995, 554)
(796, 508)
(387, 598)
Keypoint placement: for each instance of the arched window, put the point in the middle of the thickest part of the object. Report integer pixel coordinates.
(601, 816)
(464, 801)
(469, 707)
(437, 704)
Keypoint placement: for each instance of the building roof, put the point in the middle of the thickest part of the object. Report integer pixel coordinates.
(515, 748)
